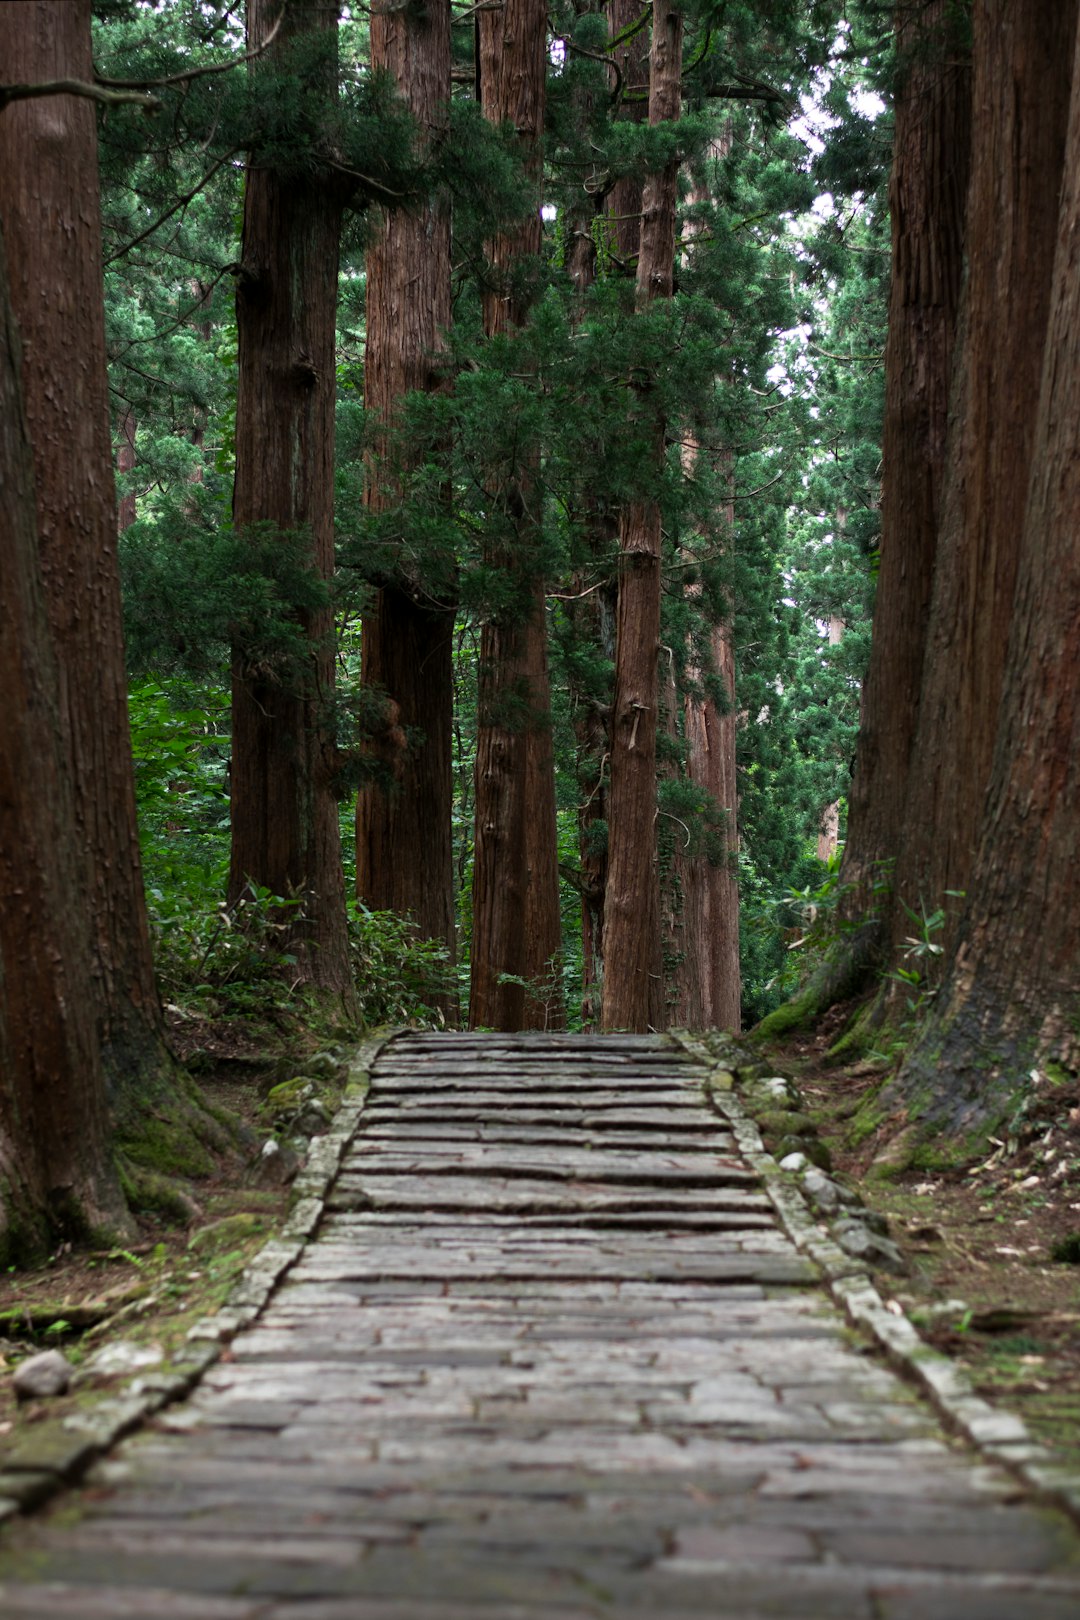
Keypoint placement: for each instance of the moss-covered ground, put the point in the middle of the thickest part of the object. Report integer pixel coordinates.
(993, 1277)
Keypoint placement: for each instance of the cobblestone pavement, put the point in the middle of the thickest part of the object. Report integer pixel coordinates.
(549, 1358)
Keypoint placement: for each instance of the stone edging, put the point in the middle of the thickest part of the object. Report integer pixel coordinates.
(58, 1451)
(1000, 1437)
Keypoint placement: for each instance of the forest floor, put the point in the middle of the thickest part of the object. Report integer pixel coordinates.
(149, 1294)
(987, 1281)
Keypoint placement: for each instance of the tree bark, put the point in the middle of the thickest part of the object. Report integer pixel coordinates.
(706, 981)
(517, 931)
(49, 202)
(711, 995)
(632, 61)
(404, 846)
(928, 193)
(404, 860)
(56, 1174)
(1022, 63)
(596, 613)
(1009, 1002)
(633, 985)
(285, 833)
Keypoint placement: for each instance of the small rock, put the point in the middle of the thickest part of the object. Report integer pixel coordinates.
(794, 1161)
(857, 1240)
(324, 1066)
(951, 1311)
(313, 1120)
(783, 1091)
(812, 1148)
(49, 1373)
(896, 1156)
(112, 1360)
(785, 1121)
(822, 1191)
(276, 1165)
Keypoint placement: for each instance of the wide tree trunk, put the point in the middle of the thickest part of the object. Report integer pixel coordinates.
(404, 847)
(1021, 81)
(633, 984)
(517, 930)
(56, 1174)
(49, 201)
(927, 195)
(1009, 1003)
(285, 834)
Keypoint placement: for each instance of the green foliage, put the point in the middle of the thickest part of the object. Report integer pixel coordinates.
(401, 978)
(229, 960)
(764, 369)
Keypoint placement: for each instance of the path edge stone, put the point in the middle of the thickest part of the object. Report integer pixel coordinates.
(58, 1452)
(1000, 1437)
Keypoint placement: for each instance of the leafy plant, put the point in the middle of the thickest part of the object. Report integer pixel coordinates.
(400, 979)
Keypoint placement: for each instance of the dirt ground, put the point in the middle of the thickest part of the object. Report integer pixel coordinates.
(152, 1292)
(993, 1248)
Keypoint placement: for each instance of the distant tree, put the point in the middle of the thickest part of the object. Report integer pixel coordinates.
(517, 931)
(285, 830)
(633, 986)
(404, 854)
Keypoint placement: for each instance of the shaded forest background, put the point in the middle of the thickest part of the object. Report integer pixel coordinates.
(770, 529)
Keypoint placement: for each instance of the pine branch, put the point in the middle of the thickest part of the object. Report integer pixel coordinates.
(181, 320)
(78, 87)
(181, 202)
(194, 73)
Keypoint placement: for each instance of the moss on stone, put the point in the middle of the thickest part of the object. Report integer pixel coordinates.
(152, 1193)
(798, 1013)
(784, 1122)
(227, 1232)
(811, 1147)
(167, 1146)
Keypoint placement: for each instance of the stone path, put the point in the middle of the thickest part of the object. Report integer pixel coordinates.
(549, 1358)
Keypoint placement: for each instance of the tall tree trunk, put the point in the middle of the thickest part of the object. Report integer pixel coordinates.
(56, 1173)
(285, 834)
(712, 995)
(1009, 1003)
(596, 613)
(1022, 63)
(927, 194)
(404, 847)
(829, 827)
(706, 980)
(49, 201)
(633, 986)
(631, 58)
(516, 923)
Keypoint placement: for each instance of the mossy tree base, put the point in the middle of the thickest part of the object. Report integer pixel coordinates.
(846, 972)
